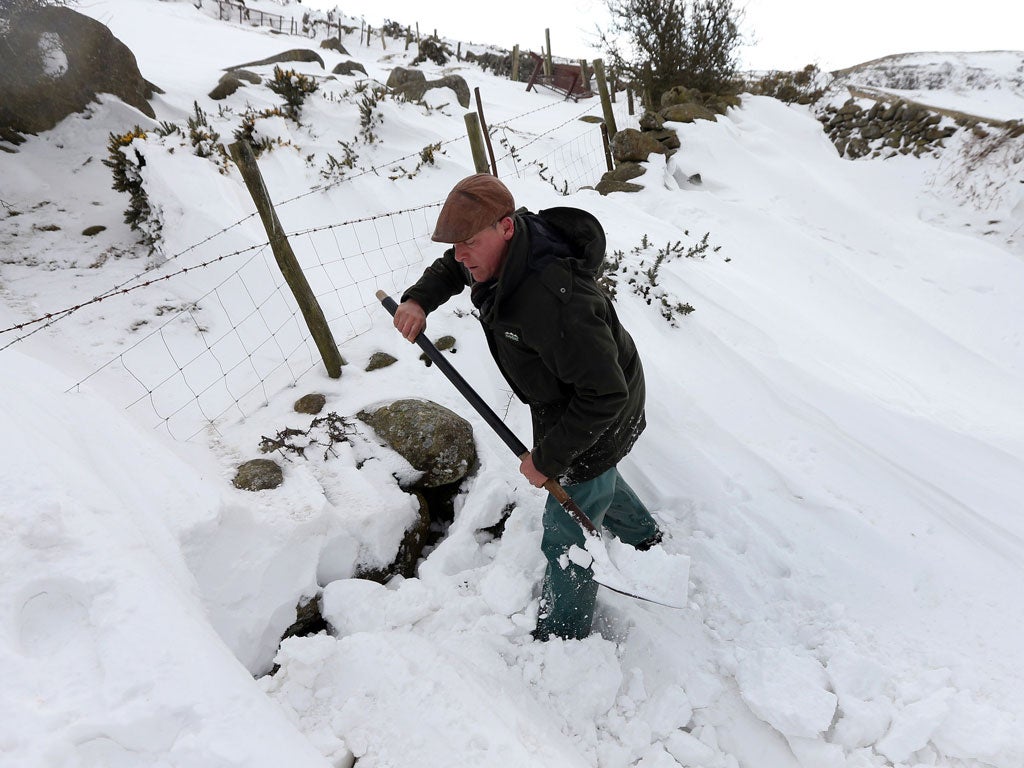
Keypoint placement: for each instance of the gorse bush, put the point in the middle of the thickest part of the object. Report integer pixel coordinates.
(293, 88)
(127, 172)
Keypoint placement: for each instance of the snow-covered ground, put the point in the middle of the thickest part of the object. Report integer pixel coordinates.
(835, 439)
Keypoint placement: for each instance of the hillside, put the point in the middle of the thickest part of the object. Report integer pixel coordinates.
(835, 437)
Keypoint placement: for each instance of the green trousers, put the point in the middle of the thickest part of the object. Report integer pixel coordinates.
(569, 593)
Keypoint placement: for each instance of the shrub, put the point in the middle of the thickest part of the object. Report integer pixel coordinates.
(128, 179)
(664, 43)
(803, 87)
(434, 49)
(293, 88)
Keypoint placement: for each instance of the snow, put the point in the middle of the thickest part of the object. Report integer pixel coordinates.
(835, 445)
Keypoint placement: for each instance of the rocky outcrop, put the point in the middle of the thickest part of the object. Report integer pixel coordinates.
(55, 61)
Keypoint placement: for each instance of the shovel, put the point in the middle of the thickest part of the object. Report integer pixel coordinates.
(653, 575)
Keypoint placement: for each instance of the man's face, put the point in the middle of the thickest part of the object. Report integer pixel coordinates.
(484, 253)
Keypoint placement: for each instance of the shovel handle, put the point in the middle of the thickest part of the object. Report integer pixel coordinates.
(507, 436)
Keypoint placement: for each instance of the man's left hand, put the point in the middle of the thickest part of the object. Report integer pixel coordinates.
(531, 473)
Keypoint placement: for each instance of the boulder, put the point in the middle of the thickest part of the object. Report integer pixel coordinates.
(348, 68)
(54, 63)
(651, 121)
(436, 441)
(402, 78)
(295, 54)
(630, 145)
(231, 81)
(258, 475)
(457, 83)
(686, 113)
(334, 44)
(413, 85)
(668, 137)
(680, 94)
(310, 404)
(380, 360)
(606, 186)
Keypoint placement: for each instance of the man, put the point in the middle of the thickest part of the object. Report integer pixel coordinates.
(555, 336)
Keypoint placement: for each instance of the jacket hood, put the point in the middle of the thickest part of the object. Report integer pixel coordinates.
(566, 233)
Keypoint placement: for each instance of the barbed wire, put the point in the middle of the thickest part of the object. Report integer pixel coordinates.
(53, 317)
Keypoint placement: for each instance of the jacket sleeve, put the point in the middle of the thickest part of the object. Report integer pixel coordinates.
(581, 352)
(440, 281)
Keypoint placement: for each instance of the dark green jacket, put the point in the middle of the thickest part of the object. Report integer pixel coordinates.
(556, 338)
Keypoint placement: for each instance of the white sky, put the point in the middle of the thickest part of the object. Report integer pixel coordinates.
(787, 34)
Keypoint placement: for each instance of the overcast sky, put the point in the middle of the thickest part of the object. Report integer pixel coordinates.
(786, 34)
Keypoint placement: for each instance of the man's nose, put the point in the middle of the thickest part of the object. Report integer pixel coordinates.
(460, 252)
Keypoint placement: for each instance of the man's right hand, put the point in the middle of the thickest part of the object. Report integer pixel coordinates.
(410, 319)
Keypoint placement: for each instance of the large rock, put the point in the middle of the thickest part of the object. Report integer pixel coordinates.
(295, 54)
(413, 85)
(258, 475)
(232, 81)
(686, 113)
(631, 146)
(54, 61)
(348, 68)
(436, 441)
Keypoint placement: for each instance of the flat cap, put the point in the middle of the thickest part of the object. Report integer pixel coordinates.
(475, 203)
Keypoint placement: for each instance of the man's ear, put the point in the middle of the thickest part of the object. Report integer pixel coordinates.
(507, 227)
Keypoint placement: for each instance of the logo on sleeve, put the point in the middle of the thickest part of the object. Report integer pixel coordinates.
(512, 336)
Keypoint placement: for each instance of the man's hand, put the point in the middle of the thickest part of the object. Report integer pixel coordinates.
(410, 319)
(531, 473)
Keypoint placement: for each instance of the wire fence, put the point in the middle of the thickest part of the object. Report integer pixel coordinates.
(226, 354)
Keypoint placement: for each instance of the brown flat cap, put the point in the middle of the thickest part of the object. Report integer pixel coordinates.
(475, 203)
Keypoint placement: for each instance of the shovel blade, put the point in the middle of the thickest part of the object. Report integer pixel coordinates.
(653, 575)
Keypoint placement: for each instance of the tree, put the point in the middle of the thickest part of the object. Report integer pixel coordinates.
(664, 43)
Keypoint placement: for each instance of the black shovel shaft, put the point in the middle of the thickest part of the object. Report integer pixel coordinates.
(501, 429)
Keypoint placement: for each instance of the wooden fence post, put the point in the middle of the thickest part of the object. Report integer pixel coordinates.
(606, 104)
(244, 158)
(487, 135)
(547, 55)
(607, 147)
(515, 62)
(476, 142)
(629, 98)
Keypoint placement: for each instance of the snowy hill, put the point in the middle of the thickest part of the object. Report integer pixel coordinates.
(835, 439)
(988, 84)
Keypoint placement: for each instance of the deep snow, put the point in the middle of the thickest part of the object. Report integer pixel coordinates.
(836, 441)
